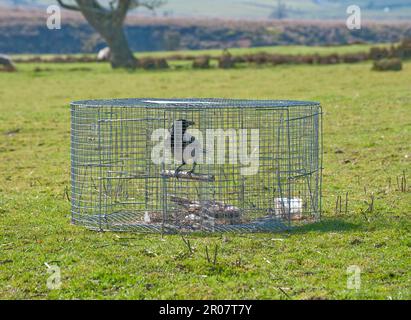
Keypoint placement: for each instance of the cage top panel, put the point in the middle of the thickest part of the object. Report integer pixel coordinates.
(191, 103)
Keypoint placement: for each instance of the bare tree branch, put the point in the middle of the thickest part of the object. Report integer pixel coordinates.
(114, 5)
(95, 7)
(90, 6)
(123, 7)
(149, 4)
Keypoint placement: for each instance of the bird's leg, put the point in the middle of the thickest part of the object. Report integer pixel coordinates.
(193, 168)
(176, 172)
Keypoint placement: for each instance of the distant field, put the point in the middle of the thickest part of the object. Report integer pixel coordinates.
(261, 9)
(367, 131)
(23, 31)
(295, 9)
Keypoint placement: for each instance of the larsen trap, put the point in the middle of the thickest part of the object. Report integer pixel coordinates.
(149, 165)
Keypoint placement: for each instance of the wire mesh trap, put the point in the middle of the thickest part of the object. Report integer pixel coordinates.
(150, 165)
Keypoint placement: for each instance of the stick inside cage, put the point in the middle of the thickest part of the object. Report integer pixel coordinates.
(216, 165)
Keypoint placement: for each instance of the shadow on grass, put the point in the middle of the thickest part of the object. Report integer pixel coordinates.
(326, 225)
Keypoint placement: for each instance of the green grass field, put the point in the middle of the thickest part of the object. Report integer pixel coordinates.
(367, 134)
(292, 50)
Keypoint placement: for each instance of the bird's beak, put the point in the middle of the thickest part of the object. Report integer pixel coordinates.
(190, 123)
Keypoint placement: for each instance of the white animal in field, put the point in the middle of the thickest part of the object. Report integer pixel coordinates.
(7, 63)
(104, 54)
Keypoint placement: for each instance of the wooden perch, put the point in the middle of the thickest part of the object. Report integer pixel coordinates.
(187, 175)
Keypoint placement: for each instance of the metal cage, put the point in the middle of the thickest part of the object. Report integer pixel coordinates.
(257, 164)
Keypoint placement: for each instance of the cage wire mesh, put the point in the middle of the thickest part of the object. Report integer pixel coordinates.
(267, 176)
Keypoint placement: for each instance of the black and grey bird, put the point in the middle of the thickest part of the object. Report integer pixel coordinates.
(178, 142)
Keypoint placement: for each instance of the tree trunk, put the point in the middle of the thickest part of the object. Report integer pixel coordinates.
(110, 26)
(120, 53)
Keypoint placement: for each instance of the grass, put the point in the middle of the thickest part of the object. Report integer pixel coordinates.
(367, 129)
(292, 50)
